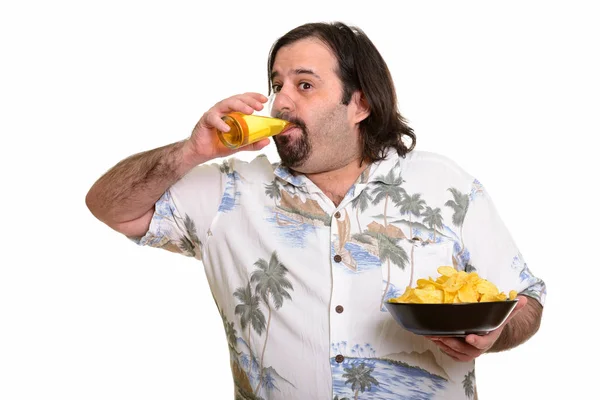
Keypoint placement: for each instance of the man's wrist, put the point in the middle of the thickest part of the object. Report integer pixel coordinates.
(189, 156)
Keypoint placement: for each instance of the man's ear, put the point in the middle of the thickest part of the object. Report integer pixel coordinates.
(361, 109)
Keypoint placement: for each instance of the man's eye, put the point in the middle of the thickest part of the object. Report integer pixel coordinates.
(305, 86)
(276, 88)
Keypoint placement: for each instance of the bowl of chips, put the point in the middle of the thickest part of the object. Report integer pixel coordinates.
(457, 303)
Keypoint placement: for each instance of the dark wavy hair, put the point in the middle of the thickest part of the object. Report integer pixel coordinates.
(360, 67)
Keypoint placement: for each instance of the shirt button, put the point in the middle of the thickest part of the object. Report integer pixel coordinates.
(337, 258)
(337, 214)
(339, 358)
(339, 309)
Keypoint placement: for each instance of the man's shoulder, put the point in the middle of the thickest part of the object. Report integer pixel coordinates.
(259, 167)
(430, 157)
(425, 162)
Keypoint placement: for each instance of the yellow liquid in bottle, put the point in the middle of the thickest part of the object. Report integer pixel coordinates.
(247, 129)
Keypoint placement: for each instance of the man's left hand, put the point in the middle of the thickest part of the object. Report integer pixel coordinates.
(472, 346)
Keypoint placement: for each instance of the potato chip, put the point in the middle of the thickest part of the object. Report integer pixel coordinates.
(429, 296)
(450, 297)
(467, 294)
(447, 271)
(487, 287)
(453, 287)
(491, 297)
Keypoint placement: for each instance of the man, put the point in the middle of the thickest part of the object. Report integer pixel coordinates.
(302, 255)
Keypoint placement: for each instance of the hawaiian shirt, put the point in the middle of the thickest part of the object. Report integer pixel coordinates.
(301, 284)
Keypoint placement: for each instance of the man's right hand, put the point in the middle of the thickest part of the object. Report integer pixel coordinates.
(204, 143)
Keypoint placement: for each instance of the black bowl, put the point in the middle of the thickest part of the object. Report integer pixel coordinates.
(458, 319)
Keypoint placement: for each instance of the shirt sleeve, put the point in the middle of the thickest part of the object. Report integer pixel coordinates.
(490, 249)
(183, 215)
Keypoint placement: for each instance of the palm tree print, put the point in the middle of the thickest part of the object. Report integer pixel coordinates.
(432, 217)
(250, 313)
(186, 246)
(460, 205)
(245, 362)
(361, 203)
(389, 251)
(388, 187)
(231, 334)
(269, 382)
(230, 197)
(469, 384)
(359, 376)
(189, 243)
(273, 190)
(225, 167)
(230, 331)
(272, 286)
(339, 347)
(470, 268)
(411, 205)
(190, 228)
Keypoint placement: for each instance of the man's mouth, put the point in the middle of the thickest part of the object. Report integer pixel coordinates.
(289, 129)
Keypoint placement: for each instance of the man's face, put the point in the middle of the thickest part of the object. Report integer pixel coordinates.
(310, 93)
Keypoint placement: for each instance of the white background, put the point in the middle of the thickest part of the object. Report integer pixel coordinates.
(510, 90)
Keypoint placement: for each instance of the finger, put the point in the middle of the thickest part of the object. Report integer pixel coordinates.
(522, 302)
(483, 342)
(453, 353)
(459, 346)
(257, 96)
(213, 120)
(255, 100)
(233, 104)
(244, 103)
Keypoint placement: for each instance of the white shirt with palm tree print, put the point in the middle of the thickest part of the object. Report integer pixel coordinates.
(300, 283)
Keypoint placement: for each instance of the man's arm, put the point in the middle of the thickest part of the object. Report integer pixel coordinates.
(520, 328)
(522, 323)
(490, 248)
(124, 197)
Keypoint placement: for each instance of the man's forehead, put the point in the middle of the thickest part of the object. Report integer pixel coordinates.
(310, 56)
(297, 71)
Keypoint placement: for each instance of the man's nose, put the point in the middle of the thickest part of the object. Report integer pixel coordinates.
(282, 104)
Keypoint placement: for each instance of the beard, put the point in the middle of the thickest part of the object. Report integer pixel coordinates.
(293, 151)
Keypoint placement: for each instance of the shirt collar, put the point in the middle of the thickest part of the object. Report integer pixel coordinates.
(385, 171)
(284, 173)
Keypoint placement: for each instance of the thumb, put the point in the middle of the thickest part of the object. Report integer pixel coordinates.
(520, 304)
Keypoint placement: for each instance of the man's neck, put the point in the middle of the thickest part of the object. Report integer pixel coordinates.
(336, 183)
